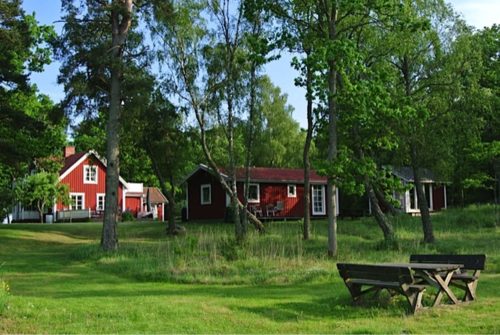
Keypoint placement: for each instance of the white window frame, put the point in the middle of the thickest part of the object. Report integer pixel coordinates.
(323, 200)
(205, 201)
(256, 200)
(294, 194)
(87, 168)
(71, 195)
(98, 195)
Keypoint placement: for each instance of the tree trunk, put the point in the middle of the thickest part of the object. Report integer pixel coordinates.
(496, 190)
(171, 214)
(40, 212)
(378, 214)
(307, 147)
(170, 194)
(215, 172)
(250, 135)
(422, 200)
(332, 136)
(199, 115)
(382, 199)
(121, 17)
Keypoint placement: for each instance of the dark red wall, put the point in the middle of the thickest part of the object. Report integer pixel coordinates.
(196, 210)
(270, 193)
(438, 197)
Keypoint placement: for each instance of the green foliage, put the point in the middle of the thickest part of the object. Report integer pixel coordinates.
(128, 217)
(41, 190)
(6, 192)
(278, 138)
(30, 126)
(83, 50)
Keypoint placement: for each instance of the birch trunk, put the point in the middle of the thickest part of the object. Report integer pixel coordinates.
(332, 136)
(306, 161)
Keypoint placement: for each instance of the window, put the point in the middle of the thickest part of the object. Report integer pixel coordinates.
(206, 194)
(413, 198)
(253, 193)
(318, 200)
(100, 202)
(292, 191)
(77, 201)
(90, 174)
(428, 194)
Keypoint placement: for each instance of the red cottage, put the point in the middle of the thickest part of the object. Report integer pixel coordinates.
(273, 193)
(85, 175)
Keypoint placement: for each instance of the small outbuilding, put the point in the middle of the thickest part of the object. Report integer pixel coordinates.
(435, 191)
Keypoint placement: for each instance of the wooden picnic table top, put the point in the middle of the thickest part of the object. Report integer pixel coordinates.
(424, 266)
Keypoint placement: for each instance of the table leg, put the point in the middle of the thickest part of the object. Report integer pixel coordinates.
(444, 288)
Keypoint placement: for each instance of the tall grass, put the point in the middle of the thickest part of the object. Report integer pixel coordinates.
(4, 293)
(208, 253)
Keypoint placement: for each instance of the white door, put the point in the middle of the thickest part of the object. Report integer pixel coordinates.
(318, 200)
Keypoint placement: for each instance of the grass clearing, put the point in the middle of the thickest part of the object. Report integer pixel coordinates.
(60, 282)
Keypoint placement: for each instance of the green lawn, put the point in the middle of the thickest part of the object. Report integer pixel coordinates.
(202, 283)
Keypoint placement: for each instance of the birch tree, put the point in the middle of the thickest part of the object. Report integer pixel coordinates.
(203, 74)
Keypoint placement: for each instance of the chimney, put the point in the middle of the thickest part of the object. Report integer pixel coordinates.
(69, 150)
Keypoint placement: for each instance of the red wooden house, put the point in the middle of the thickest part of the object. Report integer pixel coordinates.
(273, 192)
(85, 175)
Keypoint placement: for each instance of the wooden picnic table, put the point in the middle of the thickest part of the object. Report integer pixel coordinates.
(437, 275)
(466, 278)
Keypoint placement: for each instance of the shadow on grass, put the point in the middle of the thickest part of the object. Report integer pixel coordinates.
(280, 303)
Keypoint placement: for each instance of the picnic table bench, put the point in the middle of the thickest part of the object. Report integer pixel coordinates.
(465, 278)
(374, 278)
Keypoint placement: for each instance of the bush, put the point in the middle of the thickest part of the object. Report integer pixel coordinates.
(127, 216)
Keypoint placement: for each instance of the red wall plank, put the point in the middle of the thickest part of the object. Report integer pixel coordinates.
(270, 194)
(437, 197)
(76, 185)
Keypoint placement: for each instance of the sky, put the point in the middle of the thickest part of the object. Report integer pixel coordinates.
(478, 13)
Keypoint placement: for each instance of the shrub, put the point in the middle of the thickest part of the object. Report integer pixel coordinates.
(127, 216)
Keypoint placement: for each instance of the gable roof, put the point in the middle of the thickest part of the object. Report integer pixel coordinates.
(71, 162)
(406, 174)
(280, 175)
(267, 174)
(155, 195)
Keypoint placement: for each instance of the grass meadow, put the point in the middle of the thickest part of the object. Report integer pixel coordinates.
(54, 278)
